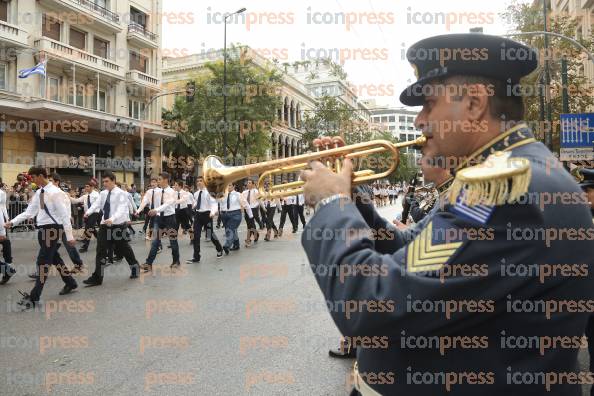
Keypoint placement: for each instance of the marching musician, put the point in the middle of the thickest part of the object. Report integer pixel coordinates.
(6, 268)
(52, 213)
(231, 205)
(287, 208)
(165, 223)
(114, 205)
(181, 206)
(250, 194)
(88, 199)
(469, 118)
(270, 205)
(205, 209)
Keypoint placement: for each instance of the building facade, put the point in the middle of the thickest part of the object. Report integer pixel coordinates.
(103, 65)
(583, 12)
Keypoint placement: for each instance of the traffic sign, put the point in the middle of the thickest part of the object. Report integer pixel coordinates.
(577, 137)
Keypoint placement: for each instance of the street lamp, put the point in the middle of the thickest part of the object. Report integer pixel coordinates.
(225, 133)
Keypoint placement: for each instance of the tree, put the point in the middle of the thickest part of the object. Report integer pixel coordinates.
(252, 103)
(529, 18)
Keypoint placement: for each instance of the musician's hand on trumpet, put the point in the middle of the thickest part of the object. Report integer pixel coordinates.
(321, 182)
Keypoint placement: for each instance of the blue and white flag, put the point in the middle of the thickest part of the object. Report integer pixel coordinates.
(37, 69)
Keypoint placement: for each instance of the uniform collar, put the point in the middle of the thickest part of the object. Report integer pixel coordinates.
(514, 137)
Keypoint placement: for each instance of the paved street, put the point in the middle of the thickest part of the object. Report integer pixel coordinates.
(251, 323)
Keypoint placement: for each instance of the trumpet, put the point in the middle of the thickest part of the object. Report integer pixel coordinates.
(331, 151)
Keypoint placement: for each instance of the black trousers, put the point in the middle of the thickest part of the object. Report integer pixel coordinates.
(6, 250)
(203, 220)
(270, 212)
(257, 218)
(90, 229)
(148, 220)
(182, 218)
(48, 238)
(116, 238)
(299, 216)
(290, 210)
(251, 224)
(263, 215)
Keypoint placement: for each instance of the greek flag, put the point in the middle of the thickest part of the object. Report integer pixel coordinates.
(38, 69)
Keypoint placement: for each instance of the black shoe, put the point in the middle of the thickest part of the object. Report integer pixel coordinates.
(92, 281)
(32, 276)
(118, 259)
(26, 301)
(294, 230)
(175, 265)
(6, 277)
(83, 250)
(339, 353)
(77, 268)
(146, 267)
(219, 254)
(226, 250)
(67, 289)
(234, 248)
(134, 274)
(193, 261)
(169, 247)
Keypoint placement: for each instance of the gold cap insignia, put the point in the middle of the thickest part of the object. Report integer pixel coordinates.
(497, 181)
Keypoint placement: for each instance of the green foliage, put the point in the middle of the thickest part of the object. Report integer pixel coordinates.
(252, 103)
(528, 18)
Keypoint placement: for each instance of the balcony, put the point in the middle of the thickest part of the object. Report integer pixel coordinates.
(143, 80)
(12, 35)
(67, 54)
(587, 4)
(139, 36)
(102, 17)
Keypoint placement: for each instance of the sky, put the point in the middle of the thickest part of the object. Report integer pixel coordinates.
(368, 38)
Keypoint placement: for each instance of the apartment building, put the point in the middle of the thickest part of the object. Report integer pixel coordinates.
(103, 66)
(286, 134)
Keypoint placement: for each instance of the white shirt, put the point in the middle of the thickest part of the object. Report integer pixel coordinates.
(3, 210)
(131, 204)
(55, 204)
(148, 196)
(189, 198)
(119, 206)
(236, 202)
(272, 202)
(94, 195)
(167, 207)
(300, 199)
(182, 201)
(207, 202)
(254, 195)
(290, 200)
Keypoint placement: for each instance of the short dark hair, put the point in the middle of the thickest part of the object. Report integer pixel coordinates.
(502, 106)
(56, 176)
(38, 171)
(179, 183)
(200, 178)
(164, 175)
(109, 175)
(153, 179)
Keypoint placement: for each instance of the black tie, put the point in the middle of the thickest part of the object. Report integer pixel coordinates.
(42, 199)
(153, 200)
(107, 207)
(162, 195)
(249, 194)
(88, 201)
(267, 204)
(228, 201)
(199, 199)
(178, 198)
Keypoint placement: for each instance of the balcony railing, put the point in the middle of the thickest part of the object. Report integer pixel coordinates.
(72, 53)
(138, 28)
(136, 75)
(96, 8)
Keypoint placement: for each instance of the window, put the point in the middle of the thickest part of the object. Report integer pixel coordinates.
(4, 11)
(78, 39)
(53, 86)
(79, 95)
(135, 109)
(51, 27)
(101, 101)
(392, 118)
(411, 137)
(138, 62)
(3, 75)
(100, 47)
(101, 3)
(137, 17)
(384, 120)
(410, 120)
(402, 137)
